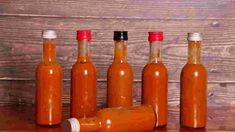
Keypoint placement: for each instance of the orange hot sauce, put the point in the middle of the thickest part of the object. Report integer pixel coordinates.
(120, 75)
(155, 80)
(83, 79)
(118, 119)
(49, 84)
(193, 87)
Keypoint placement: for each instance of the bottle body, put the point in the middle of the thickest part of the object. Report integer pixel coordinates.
(155, 80)
(120, 83)
(193, 96)
(193, 87)
(119, 78)
(119, 119)
(154, 90)
(83, 80)
(83, 91)
(137, 118)
(49, 88)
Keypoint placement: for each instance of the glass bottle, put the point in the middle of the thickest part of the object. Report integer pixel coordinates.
(119, 119)
(155, 80)
(193, 87)
(120, 75)
(83, 79)
(49, 84)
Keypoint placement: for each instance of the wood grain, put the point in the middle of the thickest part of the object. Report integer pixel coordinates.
(121, 9)
(22, 93)
(20, 45)
(21, 23)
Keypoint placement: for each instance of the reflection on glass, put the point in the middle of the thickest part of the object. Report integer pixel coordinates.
(160, 129)
(192, 130)
(56, 128)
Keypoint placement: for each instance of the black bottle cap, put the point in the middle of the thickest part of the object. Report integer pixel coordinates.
(120, 35)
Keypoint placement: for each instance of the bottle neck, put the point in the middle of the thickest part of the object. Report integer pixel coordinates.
(120, 52)
(89, 124)
(49, 51)
(194, 52)
(83, 51)
(155, 52)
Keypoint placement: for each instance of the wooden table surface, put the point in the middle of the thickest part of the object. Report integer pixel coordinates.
(21, 118)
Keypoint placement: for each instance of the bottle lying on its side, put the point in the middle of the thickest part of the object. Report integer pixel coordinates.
(118, 119)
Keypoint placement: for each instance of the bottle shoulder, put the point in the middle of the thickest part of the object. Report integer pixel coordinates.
(120, 66)
(194, 67)
(199, 69)
(48, 69)
(49, 66)
(153, 67)
(81, 67)
(116, 67)
(120, 70)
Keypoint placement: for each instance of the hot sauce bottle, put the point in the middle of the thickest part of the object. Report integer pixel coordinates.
(49, 84)
(193, 87)
(155, 80)
(120, 75)
(118, 119)
(83, 79)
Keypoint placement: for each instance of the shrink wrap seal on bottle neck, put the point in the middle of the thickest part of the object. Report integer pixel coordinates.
(49, 34)
(194, 37)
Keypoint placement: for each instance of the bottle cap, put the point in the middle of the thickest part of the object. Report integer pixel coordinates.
(84, 34)
(155, 36)
(71, 125)
(120, 35)
(49, 34)
(194, 37)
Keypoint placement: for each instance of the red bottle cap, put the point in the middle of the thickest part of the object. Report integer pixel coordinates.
(155, 36)
(84, 34)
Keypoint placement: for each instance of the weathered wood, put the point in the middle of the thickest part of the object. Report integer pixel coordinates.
(219, 119)
(20, 45)
(137, 9)
(21, 23)
(22, 93)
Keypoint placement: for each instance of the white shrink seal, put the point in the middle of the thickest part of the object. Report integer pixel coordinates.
(71, 125)
(194, 37)
(49, 34)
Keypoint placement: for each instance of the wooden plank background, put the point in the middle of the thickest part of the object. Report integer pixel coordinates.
(21, 23)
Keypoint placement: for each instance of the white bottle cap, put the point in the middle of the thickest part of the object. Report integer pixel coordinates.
(194, 37)
(71, 125)
(49, 34)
